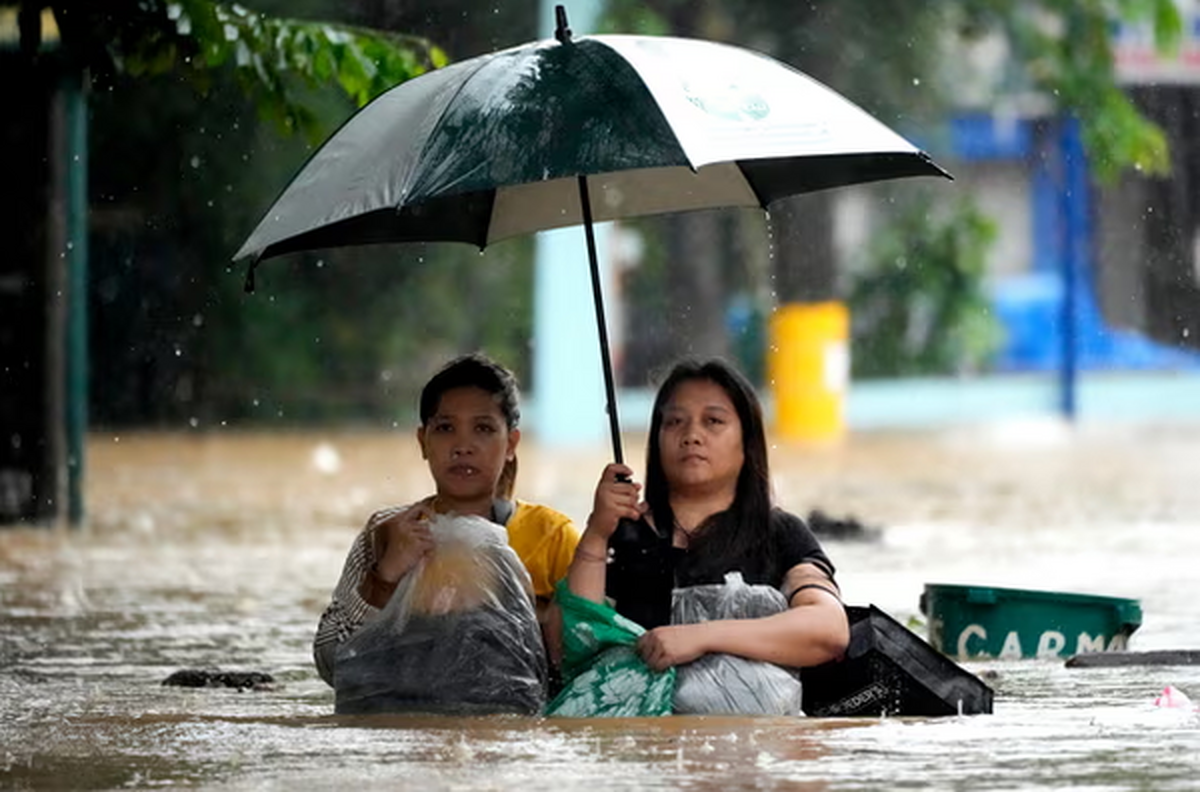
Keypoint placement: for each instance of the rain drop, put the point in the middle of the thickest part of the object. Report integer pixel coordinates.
(916, 81)
(195, 161)
(326, 459)
(194, 421)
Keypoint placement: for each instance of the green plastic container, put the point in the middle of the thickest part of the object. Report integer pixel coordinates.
(981, 621)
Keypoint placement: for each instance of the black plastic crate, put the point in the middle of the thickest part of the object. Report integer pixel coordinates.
(889, 670)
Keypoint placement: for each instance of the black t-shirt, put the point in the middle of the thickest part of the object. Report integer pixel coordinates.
(645, 567)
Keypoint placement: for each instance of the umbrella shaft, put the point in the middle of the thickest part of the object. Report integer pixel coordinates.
(610, 390)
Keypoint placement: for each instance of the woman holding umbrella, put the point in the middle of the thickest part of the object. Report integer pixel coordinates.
(708, 512)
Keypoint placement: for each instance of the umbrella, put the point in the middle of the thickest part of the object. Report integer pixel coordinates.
(567, 131)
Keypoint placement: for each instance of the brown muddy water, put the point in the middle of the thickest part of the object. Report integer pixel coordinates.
(221, 550)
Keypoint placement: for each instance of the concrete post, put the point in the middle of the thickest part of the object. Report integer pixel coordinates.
(568, 382)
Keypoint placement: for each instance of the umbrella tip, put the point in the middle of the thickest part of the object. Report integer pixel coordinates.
(248, 285)
(561, 32)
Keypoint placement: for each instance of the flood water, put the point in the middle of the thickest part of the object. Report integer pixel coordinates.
(221, 550)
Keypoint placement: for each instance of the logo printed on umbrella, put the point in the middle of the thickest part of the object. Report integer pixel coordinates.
(730, 102)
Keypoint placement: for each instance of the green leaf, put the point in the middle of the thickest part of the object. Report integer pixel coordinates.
(272, 57)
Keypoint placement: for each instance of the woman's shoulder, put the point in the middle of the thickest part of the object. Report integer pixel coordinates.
(784, 521)
(529, 510)
(796, 541)
(383, 514)
(542, 516)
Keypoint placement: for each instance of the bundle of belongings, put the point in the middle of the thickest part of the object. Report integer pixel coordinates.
(725, 684)
(459, 636)
(606, 677)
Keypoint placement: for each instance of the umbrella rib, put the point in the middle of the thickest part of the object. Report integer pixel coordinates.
(753, 188)
(462, 84)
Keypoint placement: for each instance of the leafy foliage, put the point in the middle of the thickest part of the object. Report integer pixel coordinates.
(918, 301)
(1060, 48)
(269, 55)
(900, 61)
(1066, 49)
(338, 334)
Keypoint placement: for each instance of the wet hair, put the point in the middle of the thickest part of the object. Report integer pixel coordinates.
(737, 532)
(476, 370)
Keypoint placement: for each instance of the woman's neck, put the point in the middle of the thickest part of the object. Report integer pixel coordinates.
(691, 510)
(480, 507)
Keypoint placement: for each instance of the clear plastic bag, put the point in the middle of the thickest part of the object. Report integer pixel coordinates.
(459, 636)
(725, 684)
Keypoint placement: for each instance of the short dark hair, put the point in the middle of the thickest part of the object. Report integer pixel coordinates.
(474, 370)
(477, 370)
(738, 530)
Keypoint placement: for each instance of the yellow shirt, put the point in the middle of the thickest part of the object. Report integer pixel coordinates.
(544, 540)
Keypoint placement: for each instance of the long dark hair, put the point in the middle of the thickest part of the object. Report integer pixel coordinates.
(476, 370)
(737, 532)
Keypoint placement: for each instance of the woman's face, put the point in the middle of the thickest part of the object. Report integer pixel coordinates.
(700, 439)
(466, 443)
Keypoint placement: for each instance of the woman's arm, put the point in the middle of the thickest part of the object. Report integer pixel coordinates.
(347, 608)
(813, 630)
(616, 497)
(383, 552)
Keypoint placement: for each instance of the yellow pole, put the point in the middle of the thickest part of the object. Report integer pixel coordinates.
(808, 366)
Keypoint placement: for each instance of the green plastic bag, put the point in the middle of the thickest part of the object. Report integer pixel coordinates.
(605, 677)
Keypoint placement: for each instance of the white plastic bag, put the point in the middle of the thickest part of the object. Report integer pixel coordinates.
(725, 684)
(460, 634)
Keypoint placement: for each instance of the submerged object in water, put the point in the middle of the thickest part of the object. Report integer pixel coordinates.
(889, 670)
(973, 622)
(1161, 657)
(216, 678)
(1174, 698)
(842, 529)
